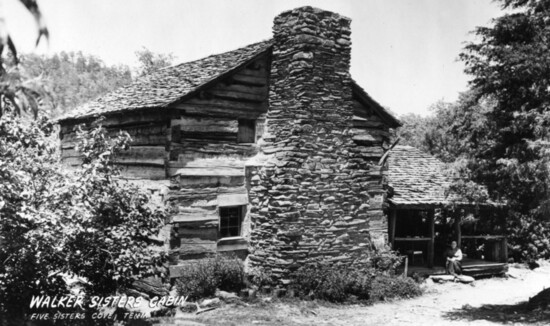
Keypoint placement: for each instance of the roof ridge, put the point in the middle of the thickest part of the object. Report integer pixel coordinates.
(270, 40)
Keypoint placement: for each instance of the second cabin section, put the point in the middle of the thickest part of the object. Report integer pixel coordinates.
(424, 218)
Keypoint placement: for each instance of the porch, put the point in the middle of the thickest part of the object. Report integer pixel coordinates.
(423, 235)
(425, 216)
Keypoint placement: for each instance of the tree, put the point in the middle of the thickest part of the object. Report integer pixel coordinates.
(86, 222)
(73, 79)
(510, 64)
(150, 61)
(55, 222)
(413, 131)
(451, 130)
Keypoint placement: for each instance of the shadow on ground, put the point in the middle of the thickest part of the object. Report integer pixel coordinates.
(515, 313)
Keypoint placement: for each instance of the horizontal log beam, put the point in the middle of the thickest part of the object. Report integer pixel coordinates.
(250, 80)
(196, 124)
(223, 103)
(246, 89)
(239, 96)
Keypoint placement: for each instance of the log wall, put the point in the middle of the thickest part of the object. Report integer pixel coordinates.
(206, 162)
(146, 158)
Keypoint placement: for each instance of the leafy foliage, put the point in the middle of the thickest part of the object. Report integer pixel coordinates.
(54, 221)
(331, 283)
(335, 283)
(5, 38)
(261, 276)
(497, 133)
(115, 222)
(202, 278)
(150, 61)
(452, 130)
(31, 223)
(385, 287)
(510, 65)
(18, 93)
(73, 78)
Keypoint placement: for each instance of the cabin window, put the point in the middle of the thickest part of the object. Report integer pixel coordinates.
(231, 219)
(247, 131)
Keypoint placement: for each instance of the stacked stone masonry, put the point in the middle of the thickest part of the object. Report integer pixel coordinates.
(319, 195)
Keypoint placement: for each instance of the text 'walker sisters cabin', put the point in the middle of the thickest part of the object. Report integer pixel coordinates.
(270, 151)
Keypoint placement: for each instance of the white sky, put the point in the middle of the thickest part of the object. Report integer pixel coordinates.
(404, 52)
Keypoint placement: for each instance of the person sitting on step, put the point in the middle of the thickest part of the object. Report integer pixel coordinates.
(453, 256)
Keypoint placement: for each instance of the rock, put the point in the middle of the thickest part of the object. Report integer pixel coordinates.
(226, 295)
(442, 278)
(210, 302)
(135, 293)
(513, 273)
(303, 56)
(152, 286)
(533, 264)
(465, 279)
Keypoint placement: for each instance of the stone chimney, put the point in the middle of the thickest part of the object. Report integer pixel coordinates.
(310, 81)
(310, 198)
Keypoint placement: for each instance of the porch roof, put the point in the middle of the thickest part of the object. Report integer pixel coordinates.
(419, 180)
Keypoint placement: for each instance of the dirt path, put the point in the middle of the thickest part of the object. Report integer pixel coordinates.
(493, 301)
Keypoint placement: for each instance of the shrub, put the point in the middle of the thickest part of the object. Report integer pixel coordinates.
(321, 281)
(261, 277)
(201, 279)
(387, 287)
(527, 238)
(364, 283)
(386, 262)
(331, 283)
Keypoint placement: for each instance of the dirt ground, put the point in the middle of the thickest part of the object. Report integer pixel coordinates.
(494, 301)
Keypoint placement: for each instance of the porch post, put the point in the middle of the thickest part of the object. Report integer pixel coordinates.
(458, 230)
(504, 250)
(431, 243)
(393, 217)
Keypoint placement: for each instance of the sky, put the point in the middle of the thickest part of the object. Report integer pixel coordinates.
(404, 52)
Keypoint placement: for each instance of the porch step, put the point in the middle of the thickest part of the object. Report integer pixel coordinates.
(485, 270)
(474, 270)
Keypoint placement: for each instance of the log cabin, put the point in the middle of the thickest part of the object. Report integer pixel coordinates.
(425, 216)
(270, 151)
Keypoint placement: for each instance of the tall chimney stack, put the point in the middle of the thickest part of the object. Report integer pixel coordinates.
(310, 198)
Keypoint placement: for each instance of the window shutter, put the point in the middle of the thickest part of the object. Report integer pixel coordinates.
(247, 131)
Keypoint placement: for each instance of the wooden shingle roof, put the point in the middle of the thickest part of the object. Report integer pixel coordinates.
(168, 85)
(417, 178)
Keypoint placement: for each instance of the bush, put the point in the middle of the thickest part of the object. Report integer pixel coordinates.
(387, 287)
(202, 278)
(335, 284)
(261, 277)
(386, 262)
(363, 283)
(527, 238)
